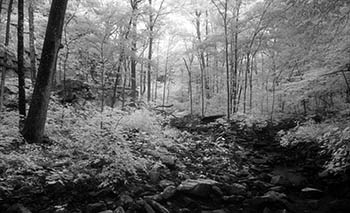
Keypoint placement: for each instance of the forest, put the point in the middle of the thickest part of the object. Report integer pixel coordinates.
(160, 106)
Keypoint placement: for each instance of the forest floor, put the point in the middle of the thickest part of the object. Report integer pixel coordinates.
(216, 167)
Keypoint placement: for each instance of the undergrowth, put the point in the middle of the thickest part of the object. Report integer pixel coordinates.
(333, 138)
(84, 146)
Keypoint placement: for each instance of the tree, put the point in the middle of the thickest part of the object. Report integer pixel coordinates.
(152, 22)
(7, 41)
(34, 125)
(224, 14)
(31, 40)
(134, 6)
(20, 56)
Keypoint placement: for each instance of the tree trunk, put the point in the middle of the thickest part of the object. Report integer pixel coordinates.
(251, 84)
(134, 5)
(7, 41)
(31, 41)
(149, 67)
(227, 64)
(34, 126)
(188, 68)
(166, 74)
(201, 62)
(20, 56)
(246, 84)
(156, 78)
(235, 80)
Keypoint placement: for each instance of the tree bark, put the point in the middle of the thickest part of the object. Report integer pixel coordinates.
(34, 126)
(246, 83)
(235, 80)
(149, 67)
(134, 6)
(20, 56)
(31, 41)
(188, 68)
(201, 62)
(7, 41)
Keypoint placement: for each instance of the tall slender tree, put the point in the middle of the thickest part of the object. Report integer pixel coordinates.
(20, 55)
(7, 41)
(32, 40)
(224, 14)
(34, 126)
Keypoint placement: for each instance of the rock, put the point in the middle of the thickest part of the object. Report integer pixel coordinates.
(275, 195)
(237, 189)
(168, 192)
(233, 198)
(217, 190)
(215, 211)
(17, 208)
(270, 200)
(148, 208)
(287, 177)
(125, 200)
(277, 188)
(119, 210)
(261, 185)
(169, 161)
(268, 210)
(311, 193)
(280, 180)
(200, 187)
(166, 183)
(158, 207)
(96, 207)
(155, 173)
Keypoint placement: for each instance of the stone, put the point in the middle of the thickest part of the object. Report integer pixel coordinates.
(199, 187)
(168, 192)
(270, 200)
(169, 161)
(125, 200)
(280, 180)
(233, 198)
(217, 190)
(95, 207)
(158, 207)
(148, 208)
(313, 193)
(237, 189)
(166, 183)
(277, 188)
(275, 195)
(119, 210)
(154, 174)
(18, 208)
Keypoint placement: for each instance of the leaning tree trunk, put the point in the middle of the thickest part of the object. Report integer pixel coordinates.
(20, 70)
(34, 126)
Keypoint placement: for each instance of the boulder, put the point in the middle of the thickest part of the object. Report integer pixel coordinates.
(199, 187)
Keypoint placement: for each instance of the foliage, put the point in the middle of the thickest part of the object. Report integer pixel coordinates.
(142, 120)
(79, 150)
(332, 137)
